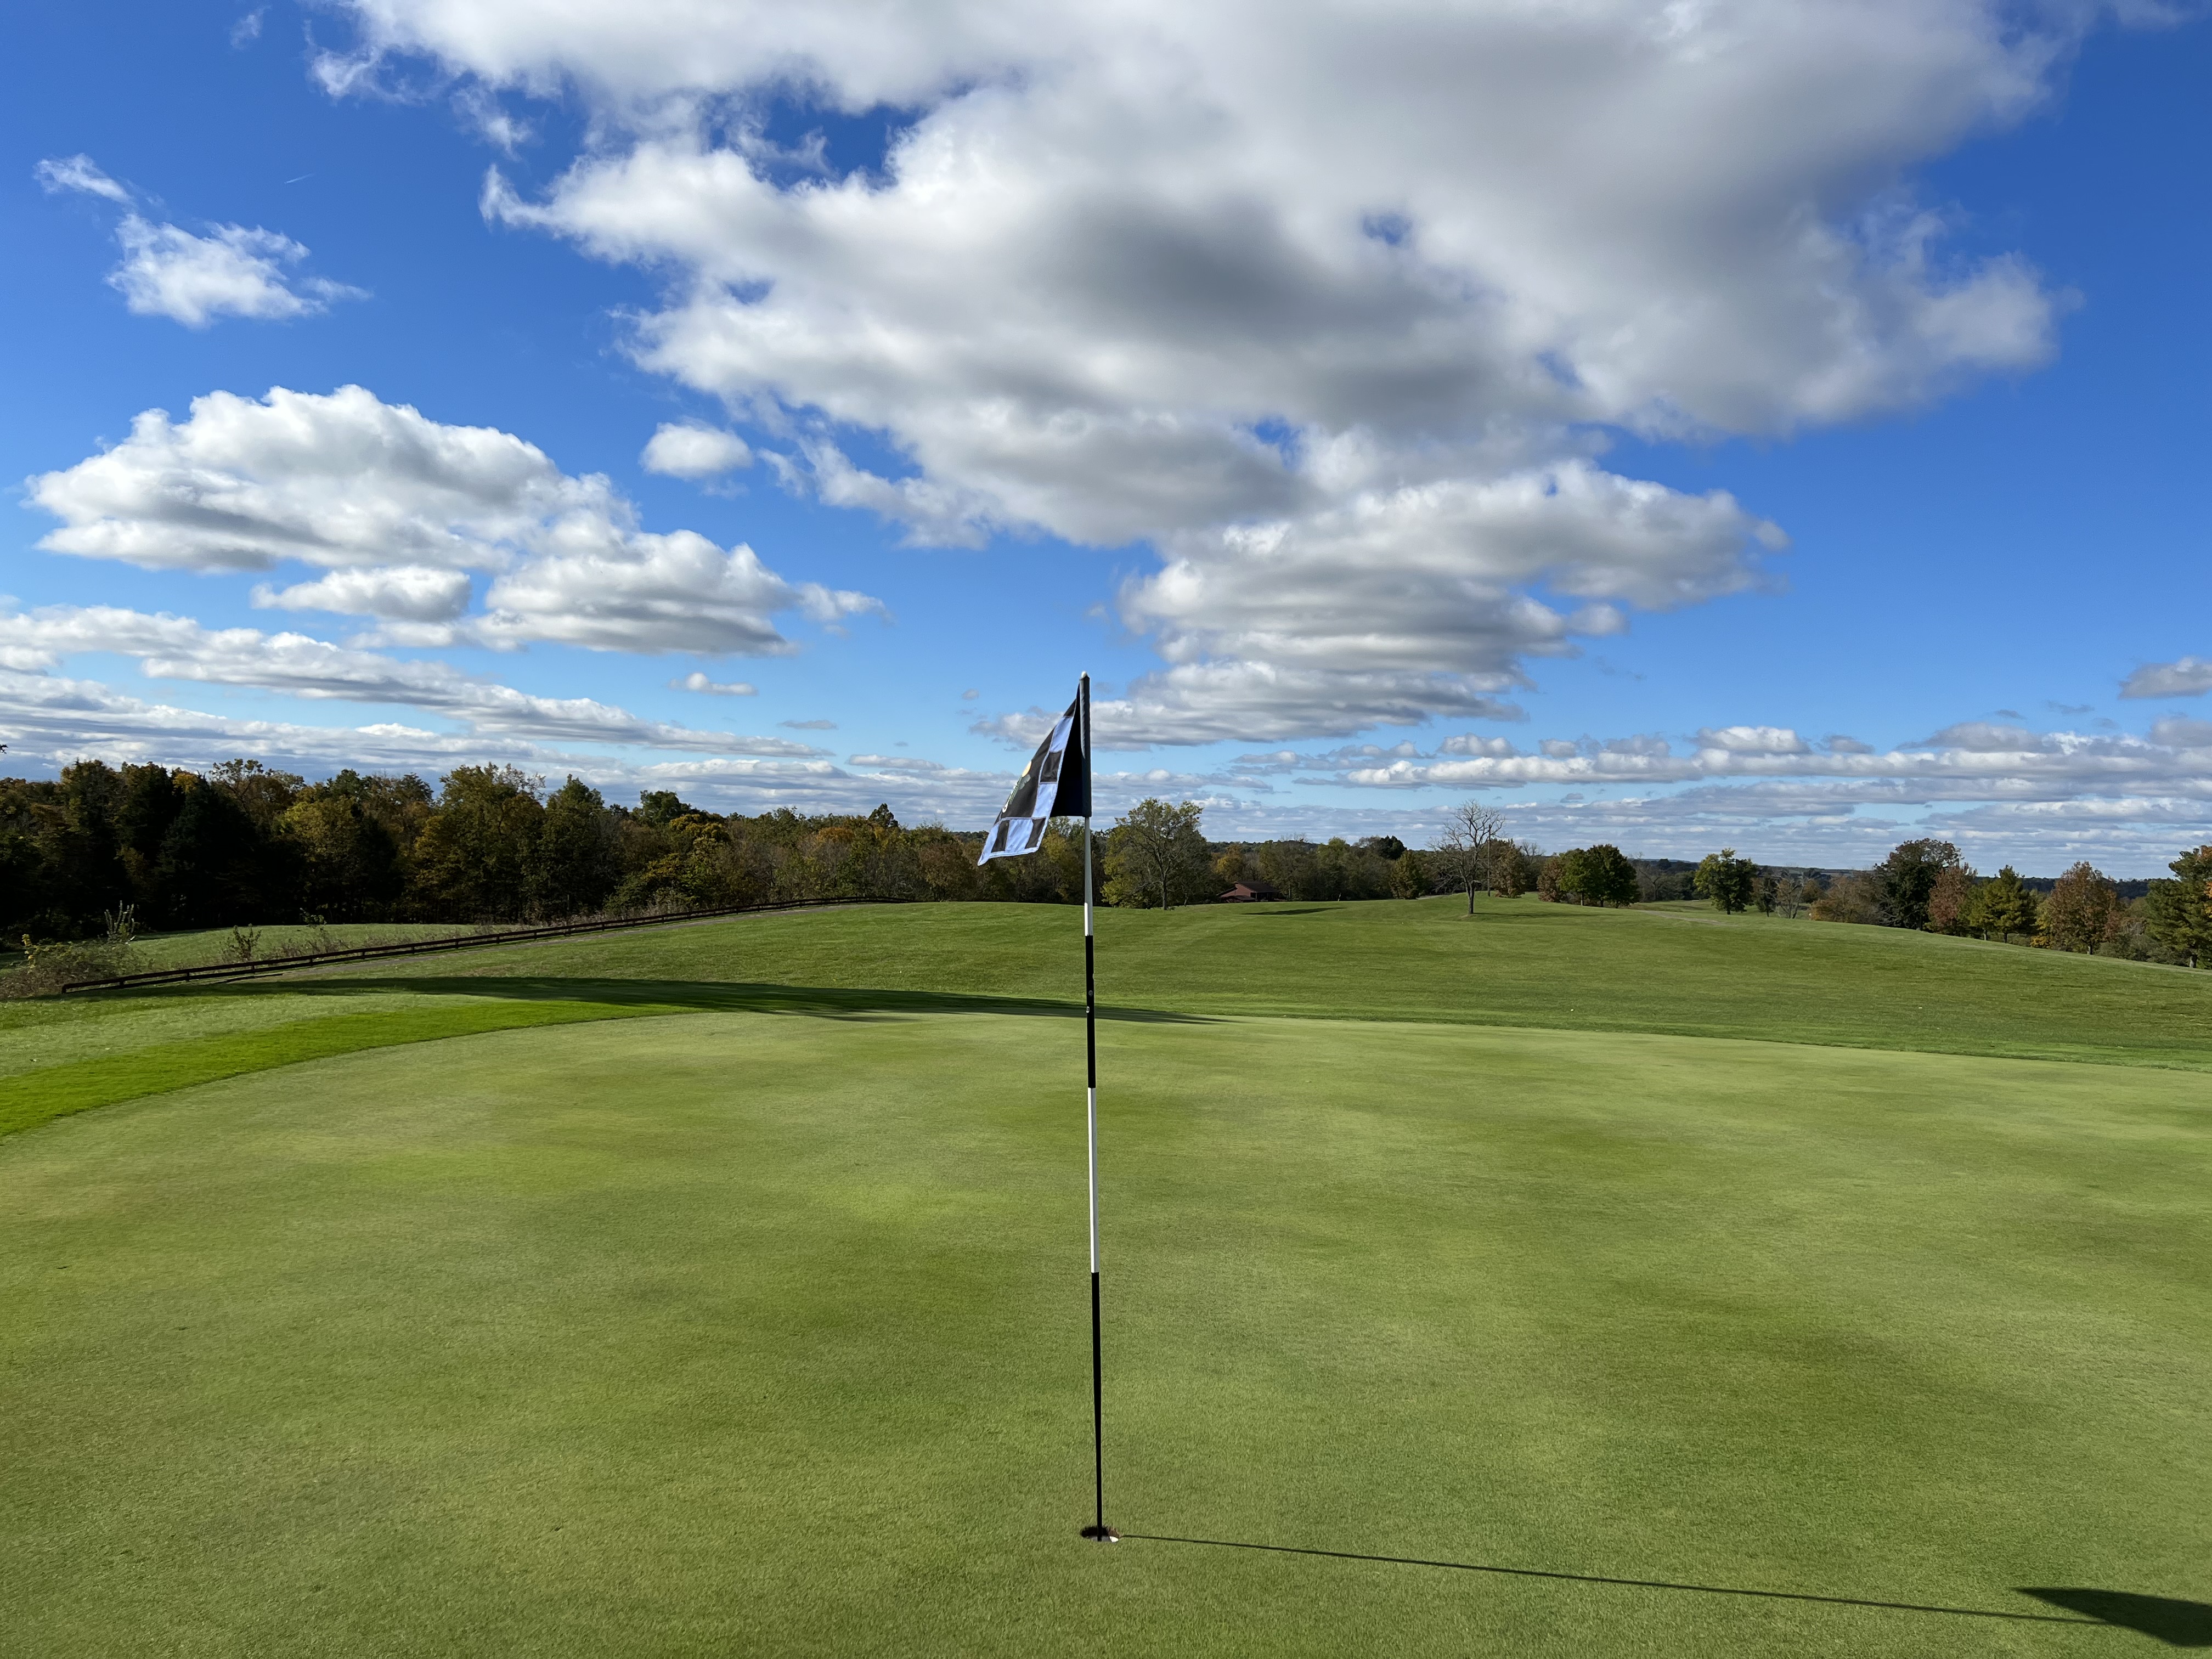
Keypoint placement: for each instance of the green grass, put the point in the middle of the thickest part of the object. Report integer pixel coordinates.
(747, 1316)
(1520, 963)
(212, 944)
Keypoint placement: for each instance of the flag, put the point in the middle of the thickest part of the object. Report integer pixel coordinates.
(1056, 784)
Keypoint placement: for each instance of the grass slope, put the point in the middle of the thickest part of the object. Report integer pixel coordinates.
(751, 1332)
(1520, 963)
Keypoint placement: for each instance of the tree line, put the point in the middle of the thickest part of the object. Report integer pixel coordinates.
(243, 844)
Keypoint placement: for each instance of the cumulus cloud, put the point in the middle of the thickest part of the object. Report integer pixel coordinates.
(1359, 281)
(180, 648)
(233, 271)
(698, 681)
(398, 507)
(2189, 676)
(683, 450)
(1413, 601)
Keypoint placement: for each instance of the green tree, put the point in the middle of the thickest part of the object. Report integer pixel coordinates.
(1906, 880)
(1598, 875)
(1410, 875)
(349, 860)
(1565, 870)
(1286, 866)
(213, 868)
(578, 859)
(473, 857)
(263, 794)
(2178, 913)
(1726, 882)
(1156, 855)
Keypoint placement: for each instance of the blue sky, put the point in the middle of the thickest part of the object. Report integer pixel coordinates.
(1356, 419)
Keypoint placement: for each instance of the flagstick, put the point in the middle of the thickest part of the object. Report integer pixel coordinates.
(1099, 1531)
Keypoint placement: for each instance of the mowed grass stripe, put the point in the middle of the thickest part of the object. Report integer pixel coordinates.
(35, 1097)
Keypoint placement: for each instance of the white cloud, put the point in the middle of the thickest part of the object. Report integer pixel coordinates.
(234, 271)
(2190, 677)
(180, 648)
(697, 681)
(247, 30)
(491, 120)
(354, 485)
(683, 450)
(79, 173)
(49, 722)
(1969, 761)
(616, 591)
(2126, 804)
(1209, 702)
(1742, 740)
(169, 271)
(1403, 603)
(409, 593)
(1195, 274)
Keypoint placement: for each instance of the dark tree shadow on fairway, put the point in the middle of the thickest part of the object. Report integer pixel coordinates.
(831, 1002)
(2178, 1624)
(2098, 1615)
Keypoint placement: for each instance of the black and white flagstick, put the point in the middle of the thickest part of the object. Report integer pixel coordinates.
(1097, 1531)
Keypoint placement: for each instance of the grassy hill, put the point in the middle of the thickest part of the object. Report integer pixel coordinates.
(719, 1288)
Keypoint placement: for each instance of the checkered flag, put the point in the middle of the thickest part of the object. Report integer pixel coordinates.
(1056, 784)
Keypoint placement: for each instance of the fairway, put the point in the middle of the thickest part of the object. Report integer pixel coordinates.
(735, 1330)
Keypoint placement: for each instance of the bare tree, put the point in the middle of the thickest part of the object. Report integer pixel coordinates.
(1471, 839)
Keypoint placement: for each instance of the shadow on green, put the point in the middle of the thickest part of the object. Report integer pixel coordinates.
(2177, 1623)
(2182, 1624)
(705, 996)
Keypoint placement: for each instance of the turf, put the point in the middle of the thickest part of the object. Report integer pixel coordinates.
(742, 1332)
(1520, 963)
(737, 1303)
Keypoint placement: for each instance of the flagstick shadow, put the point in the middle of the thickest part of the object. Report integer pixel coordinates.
(1631, 1584)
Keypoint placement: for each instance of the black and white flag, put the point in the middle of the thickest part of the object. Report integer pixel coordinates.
(1056, 784)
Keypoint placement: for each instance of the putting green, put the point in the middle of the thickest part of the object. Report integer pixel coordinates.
(753, 1332)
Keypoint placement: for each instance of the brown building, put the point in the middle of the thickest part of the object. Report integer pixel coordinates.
(1249, 892)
